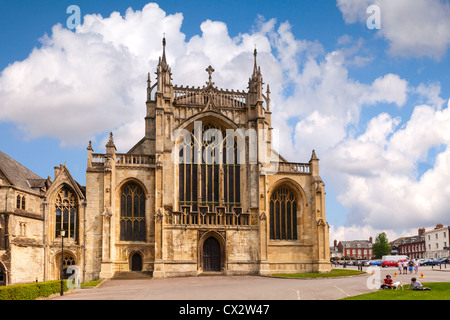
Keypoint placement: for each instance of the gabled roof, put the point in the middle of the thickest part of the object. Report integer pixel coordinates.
(65, 177)
(355, 243)
(413, 239)
(18, 175)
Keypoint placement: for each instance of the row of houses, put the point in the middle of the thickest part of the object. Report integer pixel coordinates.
(431, 244)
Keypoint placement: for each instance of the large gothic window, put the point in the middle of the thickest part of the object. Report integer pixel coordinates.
(66, 213)
(132, 213)
(209, 171)
(283, 214)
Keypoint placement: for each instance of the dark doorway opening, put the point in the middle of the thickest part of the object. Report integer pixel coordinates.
(136, 262)
(2, 277)
(211, 254)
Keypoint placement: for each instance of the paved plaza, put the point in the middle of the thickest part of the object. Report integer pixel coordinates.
(245, 287)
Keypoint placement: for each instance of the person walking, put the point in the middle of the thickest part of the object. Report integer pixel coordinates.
(400, 267)
(416, 266)
(410, 266)
(405, 266)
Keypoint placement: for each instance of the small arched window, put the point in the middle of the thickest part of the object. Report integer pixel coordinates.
(283, 214)
(20, 202)
(132, 213)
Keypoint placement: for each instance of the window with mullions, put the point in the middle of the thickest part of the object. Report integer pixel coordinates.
(231, 177)
(283, 215)
(66, 207)
(20, 202)
(132, 213)
(199, 178)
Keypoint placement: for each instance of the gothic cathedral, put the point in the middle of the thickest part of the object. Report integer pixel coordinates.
(202, 192)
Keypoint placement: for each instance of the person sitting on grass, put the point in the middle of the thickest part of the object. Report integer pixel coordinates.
(417, 285)
(387, 283)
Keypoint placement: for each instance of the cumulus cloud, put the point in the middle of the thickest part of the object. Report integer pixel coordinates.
(413, 28)
(78, 86)
(378, 171)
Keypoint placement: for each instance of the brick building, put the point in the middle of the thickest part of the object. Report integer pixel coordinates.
(413, 247)
(356, 249)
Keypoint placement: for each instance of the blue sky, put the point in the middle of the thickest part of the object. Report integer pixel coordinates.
(373, 103)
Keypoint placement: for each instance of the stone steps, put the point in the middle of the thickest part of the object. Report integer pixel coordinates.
(129, 275)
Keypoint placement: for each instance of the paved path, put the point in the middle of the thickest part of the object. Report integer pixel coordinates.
(243, 287)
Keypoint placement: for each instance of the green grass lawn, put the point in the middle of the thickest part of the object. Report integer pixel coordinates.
(333, 273)
(439, 291)
(91, 283)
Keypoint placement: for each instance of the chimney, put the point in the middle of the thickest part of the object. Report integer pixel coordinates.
(335, 243)
(421, 231)
(438, 226)
(371, 240)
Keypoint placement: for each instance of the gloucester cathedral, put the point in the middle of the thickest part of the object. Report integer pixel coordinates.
(203, 192)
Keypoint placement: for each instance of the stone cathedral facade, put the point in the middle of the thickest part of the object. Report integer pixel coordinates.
(202, 192)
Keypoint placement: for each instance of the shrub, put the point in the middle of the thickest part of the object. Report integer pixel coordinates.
(31, 291)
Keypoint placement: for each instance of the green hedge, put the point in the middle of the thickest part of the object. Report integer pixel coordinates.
(31, 291)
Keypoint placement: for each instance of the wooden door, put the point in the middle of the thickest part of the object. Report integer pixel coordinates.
(136, 262)
(211, 255)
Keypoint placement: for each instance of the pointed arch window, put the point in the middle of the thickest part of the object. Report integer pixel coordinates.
(66, 213)
(209, 172)
(132, 213)
(283, 214)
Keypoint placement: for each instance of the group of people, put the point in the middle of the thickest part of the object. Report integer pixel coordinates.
(405, 266)
(388, 283)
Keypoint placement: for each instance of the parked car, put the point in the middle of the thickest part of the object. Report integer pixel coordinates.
(429, 262)
(421, 261)
(376, 262)
(389, 263)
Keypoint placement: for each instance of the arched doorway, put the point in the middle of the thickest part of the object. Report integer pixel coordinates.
(2, 276)
(136, 262)
(68, 261)
(211, 254)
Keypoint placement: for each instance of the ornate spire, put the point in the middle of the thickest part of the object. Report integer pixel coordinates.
(313, 156)
(164, 75)
(164, 62)
(111, 141)
(255, 67)
(149, 87)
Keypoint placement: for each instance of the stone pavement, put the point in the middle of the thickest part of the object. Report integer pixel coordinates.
(244, 287)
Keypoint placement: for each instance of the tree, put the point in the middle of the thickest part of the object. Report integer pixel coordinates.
(381, 246)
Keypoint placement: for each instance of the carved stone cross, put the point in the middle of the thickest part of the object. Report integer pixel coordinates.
(210, 70)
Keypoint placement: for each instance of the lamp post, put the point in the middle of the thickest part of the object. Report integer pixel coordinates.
(62, 233)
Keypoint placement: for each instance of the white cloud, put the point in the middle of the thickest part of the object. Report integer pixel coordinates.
(377, 171)
(78, 86)
(413, 28)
